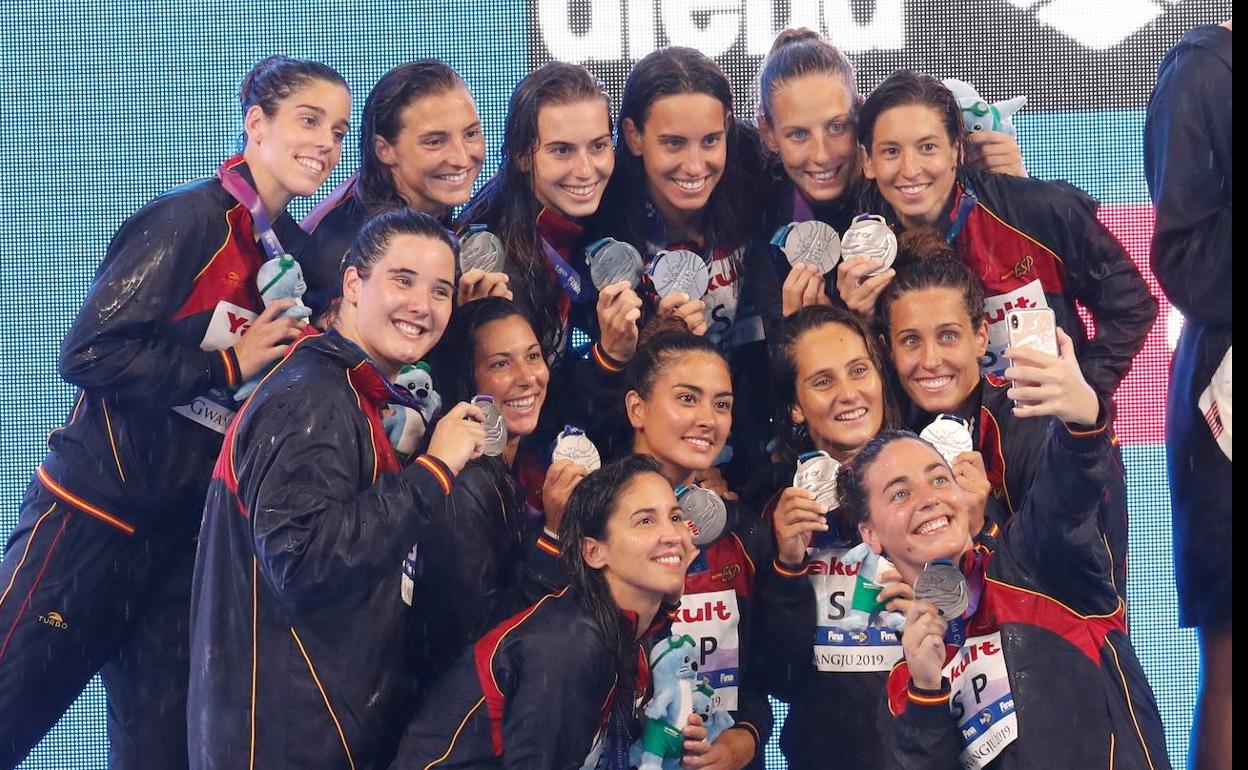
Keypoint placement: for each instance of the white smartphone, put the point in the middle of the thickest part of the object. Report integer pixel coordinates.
(1033, 327)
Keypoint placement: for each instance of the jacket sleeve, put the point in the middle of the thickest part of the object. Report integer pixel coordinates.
(1056, 537)
(555, 704)
(1187, 163)
(754, 713)
(1105, 280)
(477, 569)
(924, 736)
(316, 534)
(118, 344)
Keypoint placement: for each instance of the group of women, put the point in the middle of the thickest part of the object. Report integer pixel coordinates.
(484, 606)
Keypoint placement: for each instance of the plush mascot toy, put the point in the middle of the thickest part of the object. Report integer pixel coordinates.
(979, 115)
(279, 278)
(865, 601)
(406, 422)
(677, 694)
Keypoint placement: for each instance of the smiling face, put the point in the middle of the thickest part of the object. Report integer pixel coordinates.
(917, 512)
(399, 311)
(840, 393)
(914, 162)
(685, 420)
(935, 347)
(293, 152)
(437, 155)
(810, 128)
(683, 147)
(508, 365)
(645, 547)
(573, 158)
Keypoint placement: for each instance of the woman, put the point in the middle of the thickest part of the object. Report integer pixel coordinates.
(557, 684)
(489, 557)
(679, 403)
(689, 176)
(931, 317)
(1032, 243)
(807, 112)
(832, 396)
(556, 162)
(173, 322)
(309, 517)
(1042, 645)
(421, 147)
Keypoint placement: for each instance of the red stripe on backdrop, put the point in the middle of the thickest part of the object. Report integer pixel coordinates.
(1141, 397)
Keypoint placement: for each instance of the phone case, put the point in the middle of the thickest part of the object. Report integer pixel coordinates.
(1034, 328)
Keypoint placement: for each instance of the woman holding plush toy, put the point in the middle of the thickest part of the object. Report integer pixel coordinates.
(97, 573)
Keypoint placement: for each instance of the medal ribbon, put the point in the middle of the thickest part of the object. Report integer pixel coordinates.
(965, 206)
(244, 193)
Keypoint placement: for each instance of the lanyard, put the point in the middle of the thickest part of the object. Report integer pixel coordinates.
(965, 206)
(801, 207)
(244, 193)
(656, 238)
(567, 275)
(956, 632)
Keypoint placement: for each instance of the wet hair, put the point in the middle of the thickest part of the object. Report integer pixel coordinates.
(588, 512)
(793, 439)
(851, 485)
(904, 88)
(507, 204)
(402, 86)
(925, 260)
(664, 346)
(454, 357)
(797, 53)
(734, 204)
(374, 238)
(274, 79)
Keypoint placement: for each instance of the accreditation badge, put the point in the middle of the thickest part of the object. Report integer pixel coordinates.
(982, 702)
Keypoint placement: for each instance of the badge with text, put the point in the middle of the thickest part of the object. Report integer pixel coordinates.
(215, 409)
(679, 272)
(480, 249)
(982, 702)
(847, 638)
(712, 619)
(809, 243)
(870, 236)
(704, 510)
(611, 261)
(951, 435)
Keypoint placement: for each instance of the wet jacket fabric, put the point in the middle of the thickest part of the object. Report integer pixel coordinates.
(331, 227)
(480, 562)
(537, 691)
(1187, 160)
(155, 334)
(1049, 608)
(301, 653)
(1022, 231)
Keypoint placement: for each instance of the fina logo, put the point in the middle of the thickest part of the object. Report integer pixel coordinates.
(714, 26)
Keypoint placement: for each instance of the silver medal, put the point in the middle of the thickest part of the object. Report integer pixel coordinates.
(943, 585)
(572, 444)
(812, 243)
(495, 428)
(870, 236)
(481, 249)
(950, 435)
(816, 471)
(679, 271)
(704, 510)
(611, 261)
